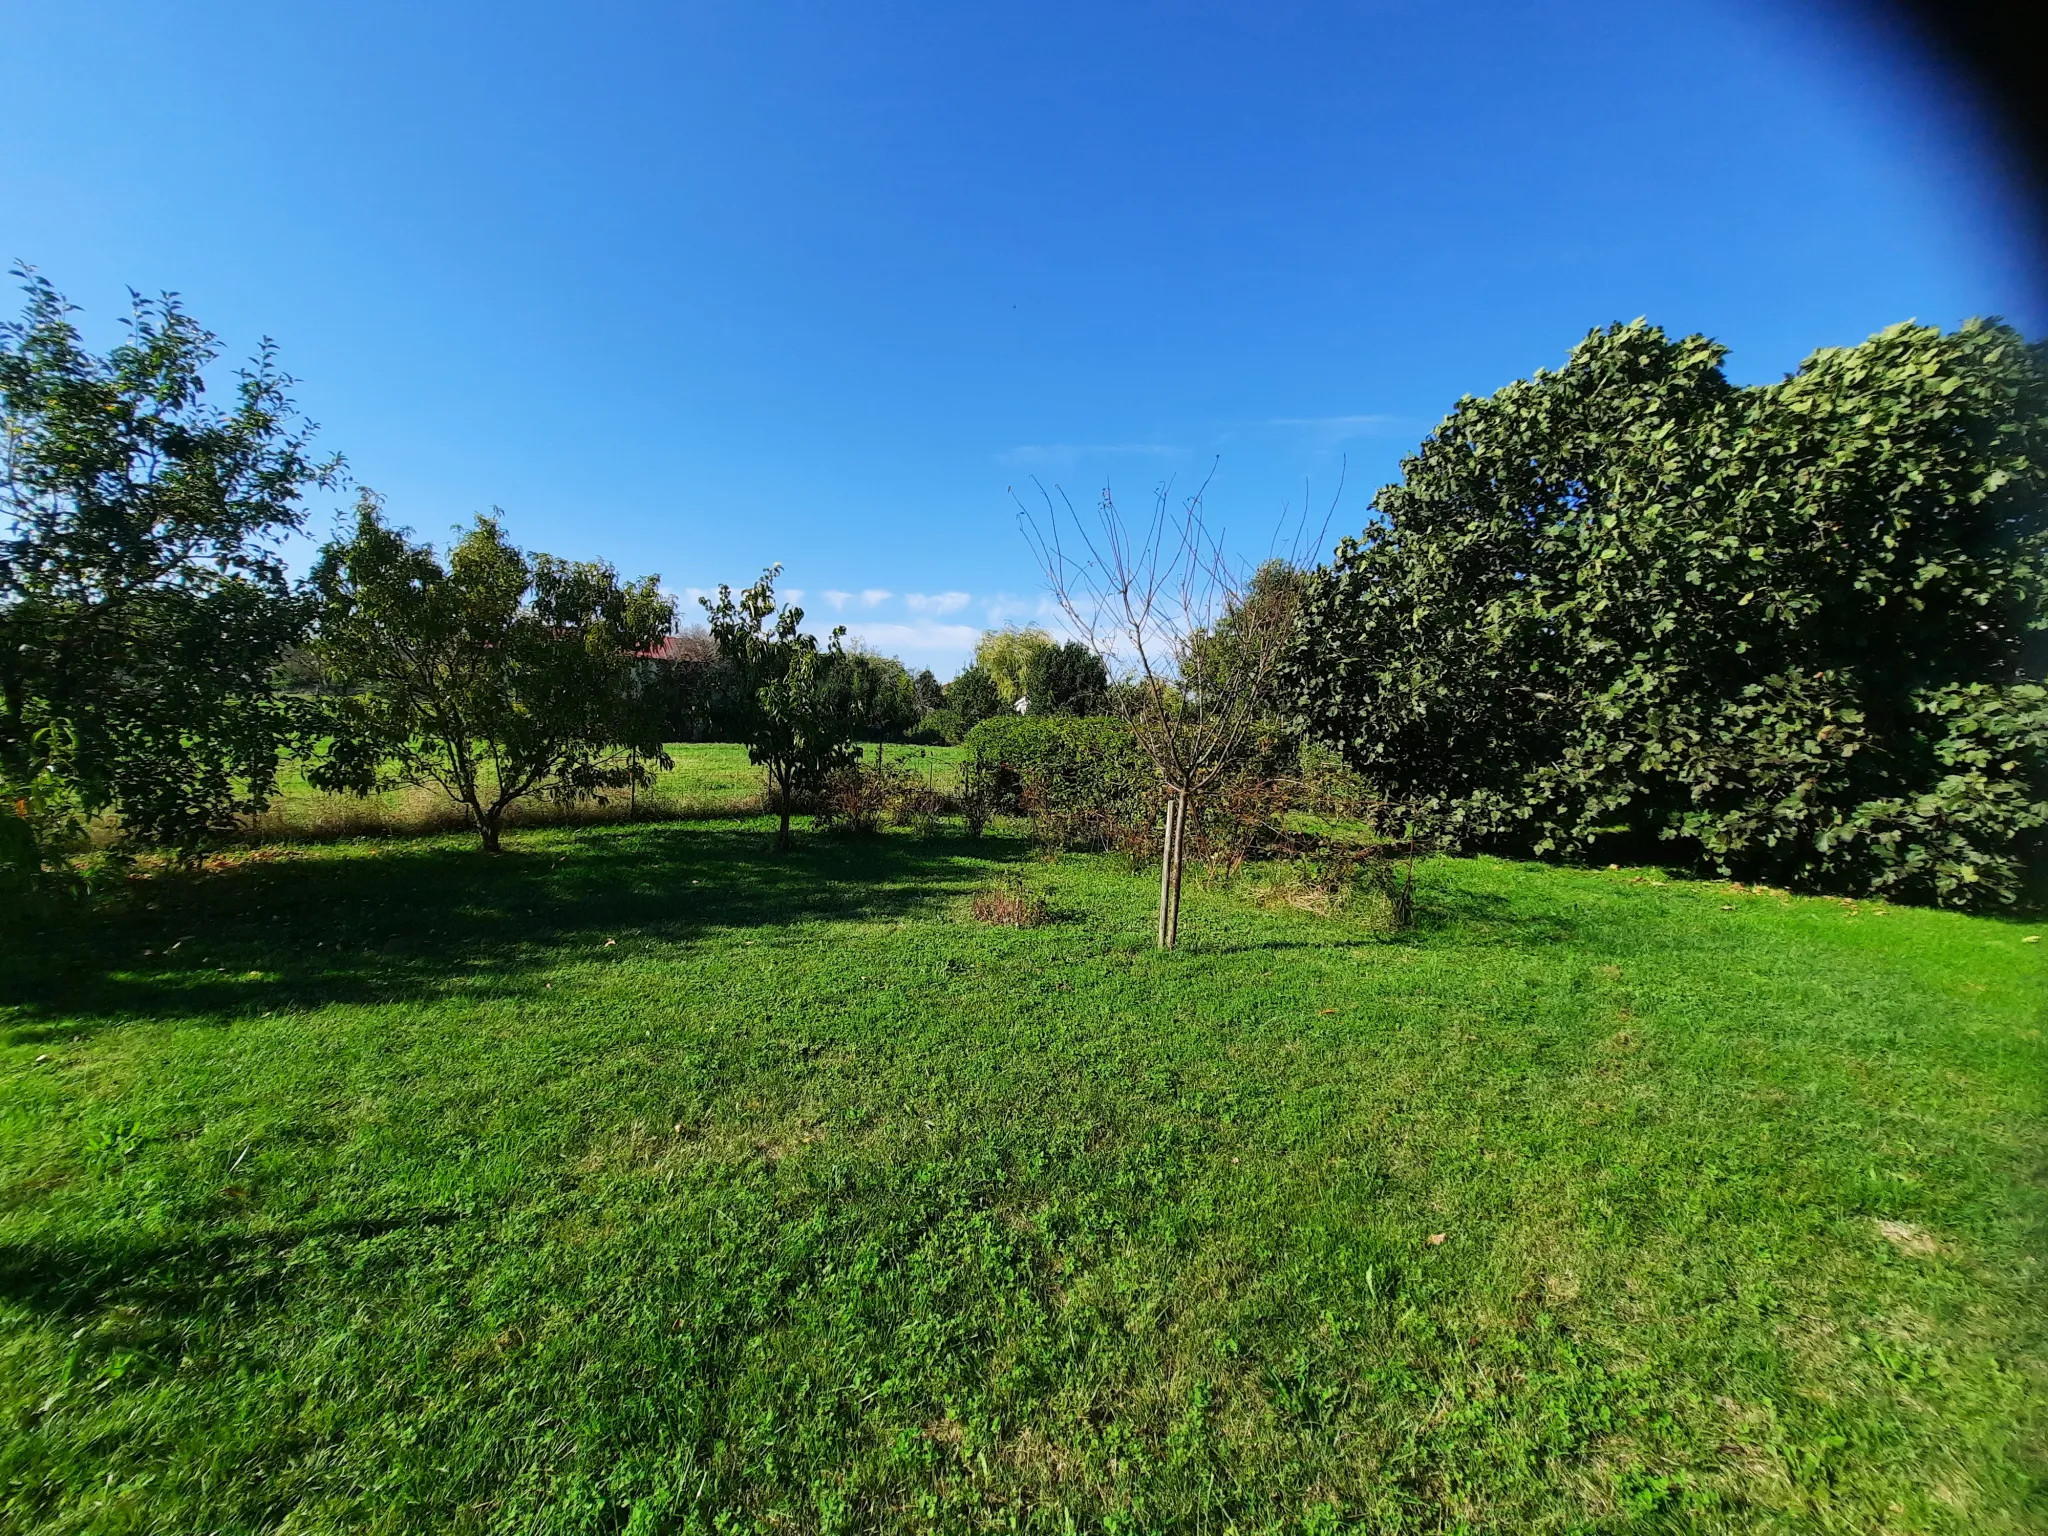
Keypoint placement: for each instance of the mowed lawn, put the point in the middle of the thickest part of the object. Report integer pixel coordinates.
(703, 779)
(639, 1180)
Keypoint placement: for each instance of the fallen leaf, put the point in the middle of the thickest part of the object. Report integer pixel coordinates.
(610, 943)
(1436, 1239)
(2032, 938)
(1332, 1010)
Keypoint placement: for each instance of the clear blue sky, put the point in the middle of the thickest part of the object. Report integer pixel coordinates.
(697, 287)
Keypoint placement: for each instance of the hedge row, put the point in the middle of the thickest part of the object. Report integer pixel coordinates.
(1061, 763)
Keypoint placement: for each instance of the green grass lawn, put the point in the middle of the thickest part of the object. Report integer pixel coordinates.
(705, 779)
(637, 1180)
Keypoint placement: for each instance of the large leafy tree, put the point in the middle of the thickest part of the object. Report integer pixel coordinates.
(1795, 630)
(144, 609)
(1067, 679)
(791, 703)
(881, 695)
(1006, 656)
(496, 677)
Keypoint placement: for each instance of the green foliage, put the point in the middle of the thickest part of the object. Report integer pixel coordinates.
(792, 705)
(1238, 652)
(1066, 679)
(495, 678)
(973, 697)
(1006, 656)
(881, 695)
(649, 1182)
(1085, 781)
(143, 610)
(1795, 630)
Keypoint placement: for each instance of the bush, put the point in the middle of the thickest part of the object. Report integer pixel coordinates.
(1083, 780)
(1794, 632)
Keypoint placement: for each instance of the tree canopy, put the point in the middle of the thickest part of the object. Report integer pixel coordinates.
(1067, 679)
(1006, 655)
(144, 608)
(495, 677)
(1794, 631)
(790, 703)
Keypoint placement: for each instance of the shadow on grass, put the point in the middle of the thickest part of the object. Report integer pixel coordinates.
(82, 1279)
(410, 921)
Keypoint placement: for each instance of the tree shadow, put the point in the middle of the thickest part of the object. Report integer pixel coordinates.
(411, 921)
(78, 1279)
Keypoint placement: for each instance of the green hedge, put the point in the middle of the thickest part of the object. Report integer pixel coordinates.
(1062, 763)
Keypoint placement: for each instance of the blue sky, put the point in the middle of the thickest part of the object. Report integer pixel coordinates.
(697, 287)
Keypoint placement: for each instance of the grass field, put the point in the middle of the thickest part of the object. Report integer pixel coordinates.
(707, 779)
(637, 1180)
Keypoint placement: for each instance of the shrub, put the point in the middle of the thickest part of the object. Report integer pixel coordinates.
(1795, 630)
(1083, 780)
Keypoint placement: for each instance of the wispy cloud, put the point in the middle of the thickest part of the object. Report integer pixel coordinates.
(871, 596)
(921, 642)
(836, 599)
(939, 603)
(1008, 608)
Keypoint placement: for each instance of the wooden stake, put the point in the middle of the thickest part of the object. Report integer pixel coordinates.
(1169, 871)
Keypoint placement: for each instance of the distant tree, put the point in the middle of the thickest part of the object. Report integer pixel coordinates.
(1005, 655)
(1236, 643)
(973, 696)
(497, 677)
(930, 692)
(1067, 679)
(1794, 631)
(144, 611)
(790, 705)
(882, 697)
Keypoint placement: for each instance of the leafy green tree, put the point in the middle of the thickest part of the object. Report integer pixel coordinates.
(973, 696)
(497, 677)
(931, 693)
(882, 697)
(1006, 654)
(791, 705)
(143, 607)
(1067, 679)
(1235, 650)
(1794, 631)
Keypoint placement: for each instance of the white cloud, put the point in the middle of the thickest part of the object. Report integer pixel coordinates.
(873, 595)
(836, 599)
(945, 648)
(940, 603)
(1004, 608)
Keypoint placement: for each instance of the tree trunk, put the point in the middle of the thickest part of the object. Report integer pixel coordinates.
(782, 832)
(1169, 870)
(488, 826)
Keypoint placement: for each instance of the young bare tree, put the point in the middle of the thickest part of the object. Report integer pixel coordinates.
(1192, 642)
